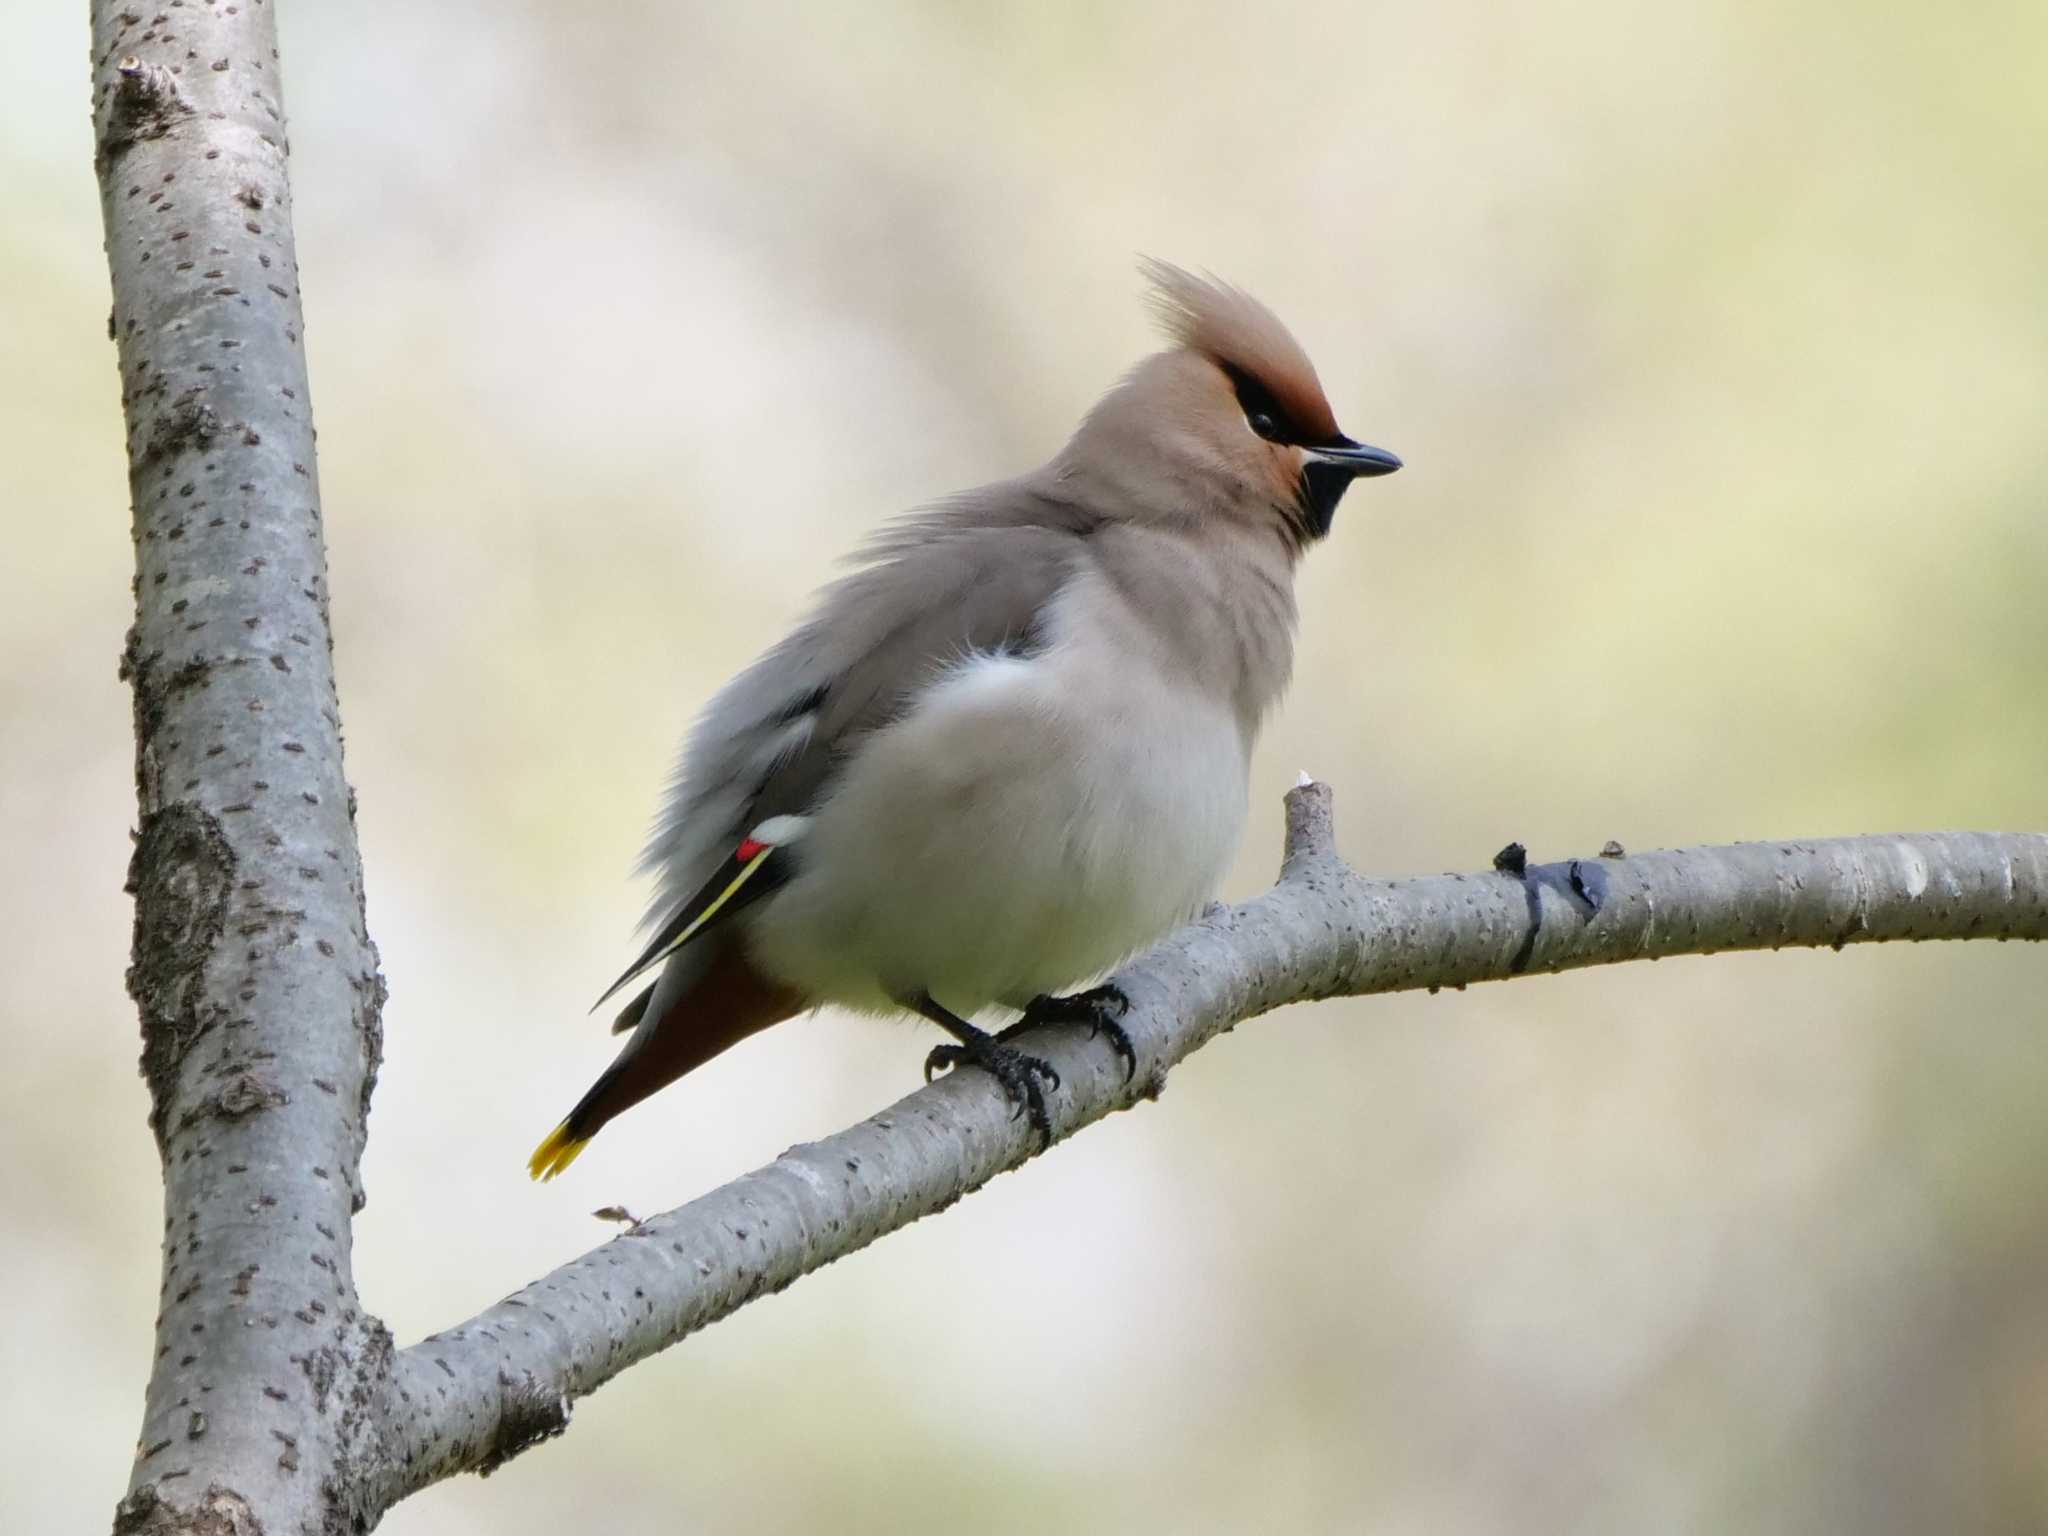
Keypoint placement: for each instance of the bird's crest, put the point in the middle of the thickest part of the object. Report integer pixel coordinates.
(1244, 338)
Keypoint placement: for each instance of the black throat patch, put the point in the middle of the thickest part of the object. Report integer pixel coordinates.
(1322, 487)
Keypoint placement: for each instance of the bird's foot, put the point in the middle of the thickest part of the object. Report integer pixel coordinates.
(1025, 1079)
(1099, 1008)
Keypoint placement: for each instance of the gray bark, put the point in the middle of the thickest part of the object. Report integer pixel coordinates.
(276, 1403)
(254, 976)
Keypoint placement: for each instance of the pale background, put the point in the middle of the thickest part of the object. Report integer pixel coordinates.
(1714, 336)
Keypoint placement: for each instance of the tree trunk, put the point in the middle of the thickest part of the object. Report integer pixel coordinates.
(254, 975)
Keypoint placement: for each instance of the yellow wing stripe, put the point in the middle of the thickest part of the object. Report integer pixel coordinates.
(711, 911)
(654, 957)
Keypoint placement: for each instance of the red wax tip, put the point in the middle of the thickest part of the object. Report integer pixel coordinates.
(748, 849)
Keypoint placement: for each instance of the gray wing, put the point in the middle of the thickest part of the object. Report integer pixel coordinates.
(974, 576)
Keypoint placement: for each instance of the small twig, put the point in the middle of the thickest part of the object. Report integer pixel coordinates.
(146, 103)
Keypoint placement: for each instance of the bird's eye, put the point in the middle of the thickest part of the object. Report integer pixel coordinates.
(1262, 412)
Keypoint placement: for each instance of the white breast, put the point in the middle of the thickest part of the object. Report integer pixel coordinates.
(1030, 822)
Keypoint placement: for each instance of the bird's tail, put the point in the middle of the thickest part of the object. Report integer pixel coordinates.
(565, 1143)
(729, 1001)
(554, 1155)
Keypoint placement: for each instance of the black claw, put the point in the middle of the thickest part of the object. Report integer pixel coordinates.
(1122, 1042)
(1018, 1073)
(1099, 1008)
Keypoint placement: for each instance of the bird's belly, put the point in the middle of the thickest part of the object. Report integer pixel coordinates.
(1023, 829)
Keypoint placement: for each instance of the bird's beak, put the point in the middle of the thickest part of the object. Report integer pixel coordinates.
(1327, 471)
(1355, 459)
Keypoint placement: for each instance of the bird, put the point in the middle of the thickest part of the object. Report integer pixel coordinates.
(1010, 747)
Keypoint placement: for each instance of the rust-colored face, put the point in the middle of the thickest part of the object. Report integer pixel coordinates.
(1249, 343)
(1301, 457)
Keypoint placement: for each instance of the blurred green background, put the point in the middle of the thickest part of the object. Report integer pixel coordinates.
(1714, 335)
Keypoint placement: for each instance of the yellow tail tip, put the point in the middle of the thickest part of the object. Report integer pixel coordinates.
(556, 1153)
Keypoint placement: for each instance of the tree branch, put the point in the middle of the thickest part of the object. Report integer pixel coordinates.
(253, 972)
(467, 1399)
